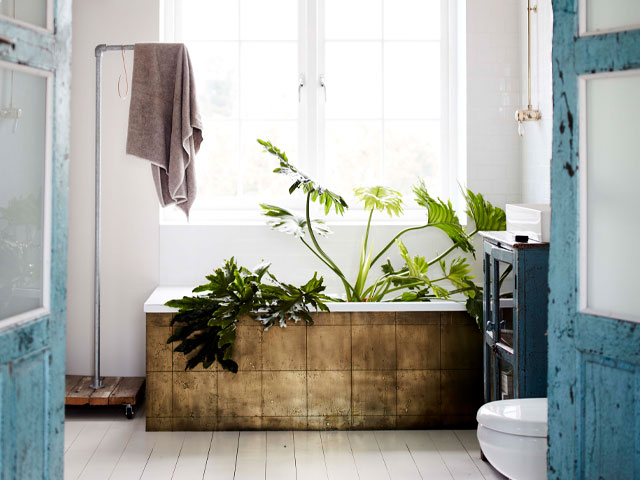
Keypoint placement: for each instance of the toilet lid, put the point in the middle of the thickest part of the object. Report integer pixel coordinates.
(522, 416)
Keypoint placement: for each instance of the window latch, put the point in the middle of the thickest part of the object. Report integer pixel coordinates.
(324, 87)
(300, 85)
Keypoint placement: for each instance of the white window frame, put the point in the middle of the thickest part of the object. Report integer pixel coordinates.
(311, 114)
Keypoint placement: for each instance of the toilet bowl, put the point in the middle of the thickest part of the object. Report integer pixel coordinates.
(513, 437)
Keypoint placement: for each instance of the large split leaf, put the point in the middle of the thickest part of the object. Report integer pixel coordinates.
(283, 220)
(485, 216)
(381, 199)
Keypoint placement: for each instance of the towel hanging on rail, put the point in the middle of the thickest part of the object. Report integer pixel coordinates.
(164, 121)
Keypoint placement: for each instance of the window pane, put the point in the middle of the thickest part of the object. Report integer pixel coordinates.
(612, 14)
(216, 71)
(412, 80)
(268, 80)
(411, 152)
(354, 80)
(208, 20)
(353, 155)
(217, 162)
(22, 191)
(412, 19)
(269, 20)
(33, 12)
(259, 180)
(353, 19)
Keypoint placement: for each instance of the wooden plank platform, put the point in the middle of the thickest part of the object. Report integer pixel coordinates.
(116, 391)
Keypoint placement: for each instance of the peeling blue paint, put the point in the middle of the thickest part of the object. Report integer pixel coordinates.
(32, 355)
(594, 362)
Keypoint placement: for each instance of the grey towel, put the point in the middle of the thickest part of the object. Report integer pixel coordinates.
(164, 121)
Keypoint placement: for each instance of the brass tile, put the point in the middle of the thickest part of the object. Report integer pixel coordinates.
(284, 423)
(284, 348)
(418, 347)
(247, 349)
(154, 424)
(373, 422)
(247, 321)
(374, 347)
(195, 394)
(461, 346)
(158, 350)
(329, 422)
(373, 318)
(457, 318)
(328, 348)
(239, 423)
(418, 318)
(331, 318)
(159, 319)
(461, 392)
(284, 394)
(193, 424)
(158, 394)
(459, 422)
(418, 392)
(374, 392)
(239, 394)
(180, 361)
(329, 393)
(418, 422)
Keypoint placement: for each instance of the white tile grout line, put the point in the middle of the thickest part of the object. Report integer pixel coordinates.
(204, 471)
(235, 465)
(351, 450)
(324, 457)
(184, 437)
(74, 438)
(469, 454)
(440, 453)
(375, 437)
(414, 460)
(123, 450)
(95, 450)
(293, 439)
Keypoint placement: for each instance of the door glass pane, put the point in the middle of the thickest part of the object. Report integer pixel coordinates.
(23, 100)
(612, 14)
(33, 12)
(612, 202)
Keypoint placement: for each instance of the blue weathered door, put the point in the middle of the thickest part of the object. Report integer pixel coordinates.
(594, 309)
(35, 44)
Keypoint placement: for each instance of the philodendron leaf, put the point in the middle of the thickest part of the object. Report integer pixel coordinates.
(486, 216)
(325, 197)
(380, 198)
(284, 221)
(442, 215)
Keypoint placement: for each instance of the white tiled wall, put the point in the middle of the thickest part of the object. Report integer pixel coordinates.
(493, 95)
(537, 141)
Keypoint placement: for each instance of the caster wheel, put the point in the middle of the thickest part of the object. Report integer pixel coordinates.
(128, 412)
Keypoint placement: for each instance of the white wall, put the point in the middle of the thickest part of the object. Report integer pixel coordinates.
(130, 207)
(132, 238)
(537, 140)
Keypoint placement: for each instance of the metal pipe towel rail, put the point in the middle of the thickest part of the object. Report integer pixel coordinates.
(100, 49)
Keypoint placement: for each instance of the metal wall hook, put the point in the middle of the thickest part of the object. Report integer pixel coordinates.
(324, 87)
(300, 85)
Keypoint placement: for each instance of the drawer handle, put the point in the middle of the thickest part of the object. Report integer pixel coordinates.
(7, 41)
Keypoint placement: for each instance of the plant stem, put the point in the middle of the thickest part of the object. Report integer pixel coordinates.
(366, 235)
(333, 266)
(448, 251)
(419, 227)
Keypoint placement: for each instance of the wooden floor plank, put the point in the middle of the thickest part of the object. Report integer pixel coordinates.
(71, 381)
(193, 456)
(338, 456)
(81, 451)
(163, 458)
(426, 456)
(469, 440)
(221, 463)
(71, 432)
(128, 390)
(136, 454)
(367, 455)
(454, 455)
(101, 396)
(252, 456)
(309, 455)
(108, 453)
(281, 461)
(396, 456)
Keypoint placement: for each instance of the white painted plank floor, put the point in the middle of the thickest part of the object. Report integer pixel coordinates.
(102, 444)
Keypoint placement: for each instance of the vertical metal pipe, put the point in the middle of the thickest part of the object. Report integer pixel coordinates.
(529, 55)
(97, 381)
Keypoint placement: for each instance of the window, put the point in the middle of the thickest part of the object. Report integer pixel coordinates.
(357, 92)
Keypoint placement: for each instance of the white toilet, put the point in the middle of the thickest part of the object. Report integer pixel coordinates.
(513, 437)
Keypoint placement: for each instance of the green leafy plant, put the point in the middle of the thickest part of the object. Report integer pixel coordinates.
(206, 322)
(418, 279)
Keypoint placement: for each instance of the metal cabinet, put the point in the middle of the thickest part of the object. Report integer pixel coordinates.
(515, 317)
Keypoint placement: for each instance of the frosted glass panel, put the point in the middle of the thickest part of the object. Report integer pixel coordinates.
(23, 99)
(612, 14)
(33, 12)
(612, 200)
